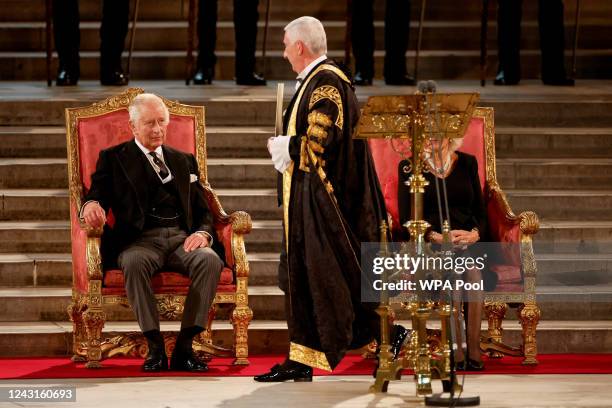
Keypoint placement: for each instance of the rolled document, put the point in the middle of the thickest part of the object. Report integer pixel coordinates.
(278, 124)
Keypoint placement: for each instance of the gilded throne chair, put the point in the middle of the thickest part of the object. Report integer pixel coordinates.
(97, 293)
(515, 266)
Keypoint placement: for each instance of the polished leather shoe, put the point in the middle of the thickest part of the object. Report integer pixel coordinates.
(403, 80)
(186, 361)
(203, 76)
(116, 78)
(280, 373)
(252, 79)
(362, 80)
(501, 79)
(66, 78)
(558, 81)
(155, 361)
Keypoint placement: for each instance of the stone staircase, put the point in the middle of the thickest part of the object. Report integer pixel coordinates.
(450, 47)
(554, 150)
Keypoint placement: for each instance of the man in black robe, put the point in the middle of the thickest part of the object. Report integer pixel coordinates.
(331, 203)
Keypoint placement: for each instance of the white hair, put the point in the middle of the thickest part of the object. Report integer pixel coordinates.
(455, 143)
(310, 31)
(143, 99)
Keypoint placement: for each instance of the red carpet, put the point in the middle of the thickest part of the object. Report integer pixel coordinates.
(44, 367)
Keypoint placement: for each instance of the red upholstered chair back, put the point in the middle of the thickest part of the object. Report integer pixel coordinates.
(96, 133)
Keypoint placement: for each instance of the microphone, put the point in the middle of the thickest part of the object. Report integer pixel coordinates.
(427, 86)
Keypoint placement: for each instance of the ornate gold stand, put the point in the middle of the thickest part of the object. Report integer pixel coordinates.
(410, 117)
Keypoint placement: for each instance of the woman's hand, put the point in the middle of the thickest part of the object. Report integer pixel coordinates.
(463, 237)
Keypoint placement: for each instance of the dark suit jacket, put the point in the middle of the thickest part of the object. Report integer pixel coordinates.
(119, 184)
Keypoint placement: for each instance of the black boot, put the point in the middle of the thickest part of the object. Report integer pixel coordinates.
(203, 76)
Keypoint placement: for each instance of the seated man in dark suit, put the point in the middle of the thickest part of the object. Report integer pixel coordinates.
(112, 37)
(161, 220)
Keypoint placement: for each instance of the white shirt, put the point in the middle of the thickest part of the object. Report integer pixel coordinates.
(302, 75)
(160, 153)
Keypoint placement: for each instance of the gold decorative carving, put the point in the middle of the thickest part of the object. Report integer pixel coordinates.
(94, 323)
(170, 307)
(331, 93)
(79, 334)
(529, 316)
(495, 312)
(308, 356)
(240, 318)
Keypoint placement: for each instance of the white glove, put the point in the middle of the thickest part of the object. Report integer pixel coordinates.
(279, 151)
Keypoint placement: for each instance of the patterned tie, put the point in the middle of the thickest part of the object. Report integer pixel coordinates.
(163, 170)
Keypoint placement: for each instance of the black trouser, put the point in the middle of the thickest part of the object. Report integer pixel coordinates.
(552, 44)
(115, 16)
(245, 29)
(397, 31)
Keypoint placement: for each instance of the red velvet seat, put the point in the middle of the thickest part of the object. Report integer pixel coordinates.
(517, 269)
(91, 129)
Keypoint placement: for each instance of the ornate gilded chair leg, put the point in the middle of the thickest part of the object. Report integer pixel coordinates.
(529, 316)
(206, 336)
(240, 318)
(422, 369)
(495, 312)
(94, 323)
(79, 334)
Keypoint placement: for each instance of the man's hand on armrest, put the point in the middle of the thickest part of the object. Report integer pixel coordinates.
(93, 214)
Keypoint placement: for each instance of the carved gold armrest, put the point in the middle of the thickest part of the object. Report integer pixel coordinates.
(528, 221)
(92, 250)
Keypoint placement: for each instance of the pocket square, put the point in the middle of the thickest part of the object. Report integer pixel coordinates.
(193, 178)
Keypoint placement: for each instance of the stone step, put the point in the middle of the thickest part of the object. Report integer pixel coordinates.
(52, 173)
(250, 141)
(514, 142)
(55, 270)
(50, 141)
(530, 105)
(171, 35)
(161, 10)
(562, 236)
(436, 64)
(571, 205)
(546, 173)
(559, 302)
(532, 173)
(32, 339)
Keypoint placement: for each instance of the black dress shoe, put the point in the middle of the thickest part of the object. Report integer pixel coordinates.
(250, 79)
(362, 80)
(280, 373)
(473, 365)
(66, 78)
(501, 79)
(558, 81)
(186, 361)
(155, 361)
(203, 76)
(403, 80)
(116, 78)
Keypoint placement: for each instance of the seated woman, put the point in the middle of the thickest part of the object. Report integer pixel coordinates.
(467, 221)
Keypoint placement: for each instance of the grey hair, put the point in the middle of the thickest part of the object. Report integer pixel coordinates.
(143, 99)
(310, 31)
(455, 143)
